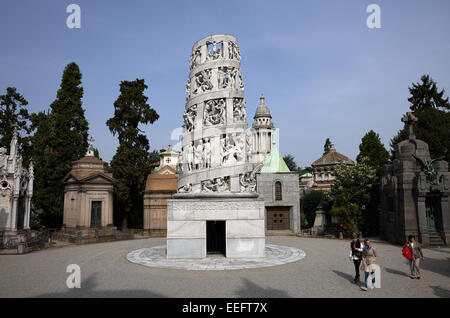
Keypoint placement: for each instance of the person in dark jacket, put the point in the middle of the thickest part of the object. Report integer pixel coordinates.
(356, 249)
(416, 253)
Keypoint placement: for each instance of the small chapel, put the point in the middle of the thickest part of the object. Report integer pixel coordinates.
(88, 195)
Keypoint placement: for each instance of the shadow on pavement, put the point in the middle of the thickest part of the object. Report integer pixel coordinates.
(345, 276)
(441, 292)
(87, 290)
(396, 272)
(252, 290)
(439, 266)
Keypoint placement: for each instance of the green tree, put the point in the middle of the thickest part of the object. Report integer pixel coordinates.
(13, 113)
(154, 157)
(355, 184)
(131, 163)
(60, 139)
(327, 146)
(348, 213)
(309, 203)
(432, 111)
(373, 150)
(290, 162)
(373, 153)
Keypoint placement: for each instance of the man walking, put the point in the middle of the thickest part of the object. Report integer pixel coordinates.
(416, 253)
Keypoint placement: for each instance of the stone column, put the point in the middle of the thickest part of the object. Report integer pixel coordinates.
(14, 214)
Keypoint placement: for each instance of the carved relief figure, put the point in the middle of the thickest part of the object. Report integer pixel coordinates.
(189, 156)
(239, 112)
(219, 184)
(188, 89)
(248, 182)
(232, 149)
(207, 153)
(185, 189)
(195, 58)
(189, 117)
(198, 155)
(214, 52)
(214, 112)
(203, 81)
(233, 51)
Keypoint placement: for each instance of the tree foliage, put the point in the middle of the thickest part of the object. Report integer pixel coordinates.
(14, 113)
(290, 162)
(353, 185)
(373, 153)
(131, 163)
(432, 111)
(60, 138)
(348, 213)
(311, 201)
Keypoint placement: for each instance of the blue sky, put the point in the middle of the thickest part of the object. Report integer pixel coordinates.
(323, 72)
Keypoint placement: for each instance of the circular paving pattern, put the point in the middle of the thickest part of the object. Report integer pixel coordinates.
(274, 255)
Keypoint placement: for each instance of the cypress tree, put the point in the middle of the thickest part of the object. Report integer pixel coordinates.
(60, 139)
(131, 163)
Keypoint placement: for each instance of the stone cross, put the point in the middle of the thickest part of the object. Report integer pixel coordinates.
(409, 119)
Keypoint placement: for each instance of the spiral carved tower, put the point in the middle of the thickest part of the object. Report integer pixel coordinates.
(215, 146)
(216, 209)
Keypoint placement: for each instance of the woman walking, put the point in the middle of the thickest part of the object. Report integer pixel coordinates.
(369, 256)
(356, 249)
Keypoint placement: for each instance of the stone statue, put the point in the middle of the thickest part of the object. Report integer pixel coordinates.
(220, 184)
(426, 166)
(198, 155)
(189, 156)
(233, 51)
(207, 154)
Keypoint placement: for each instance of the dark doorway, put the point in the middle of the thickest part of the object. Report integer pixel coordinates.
(96, 214)
(21, 213)
(215, 237)
(433, 212)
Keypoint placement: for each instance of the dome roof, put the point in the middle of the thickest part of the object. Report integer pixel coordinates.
(332, 157)
(262, 110)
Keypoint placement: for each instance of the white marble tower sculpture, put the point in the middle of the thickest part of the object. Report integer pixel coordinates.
(216, 181)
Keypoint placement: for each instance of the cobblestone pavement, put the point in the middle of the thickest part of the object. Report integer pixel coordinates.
(325, 272)
(274, 255)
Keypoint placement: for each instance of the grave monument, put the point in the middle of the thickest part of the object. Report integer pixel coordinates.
(216, 208)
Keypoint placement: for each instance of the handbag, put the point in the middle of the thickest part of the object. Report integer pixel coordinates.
(407, 252)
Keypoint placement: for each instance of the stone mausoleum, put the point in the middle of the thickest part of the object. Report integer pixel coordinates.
(279, 188)
(415, 194)
(16, 191)
(88, 195)
(161, 185)
(216, 209)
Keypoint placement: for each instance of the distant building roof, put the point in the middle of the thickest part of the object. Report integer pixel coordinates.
(306, 175)
(332, 157)
(274, 162)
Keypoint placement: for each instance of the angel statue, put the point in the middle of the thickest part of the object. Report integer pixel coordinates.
(426, 166)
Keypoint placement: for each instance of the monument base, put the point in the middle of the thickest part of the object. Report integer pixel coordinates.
(228, 224)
